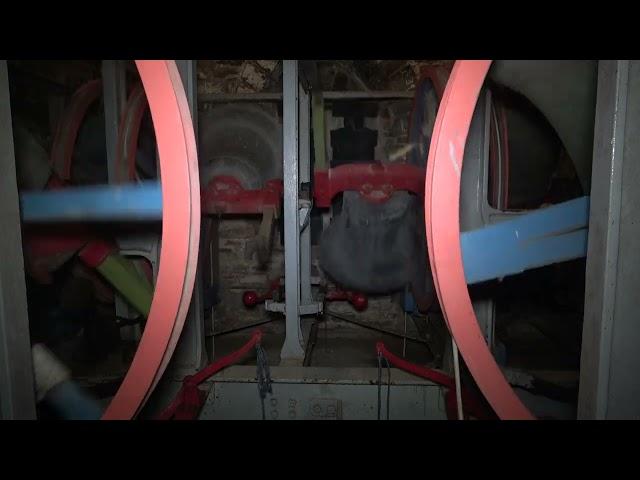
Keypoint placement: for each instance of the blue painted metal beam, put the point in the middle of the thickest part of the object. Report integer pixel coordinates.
(547, 236)
(551, 235)
(139, 202)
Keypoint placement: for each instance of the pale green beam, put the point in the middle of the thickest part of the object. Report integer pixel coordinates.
(131, 284)
(317, 118)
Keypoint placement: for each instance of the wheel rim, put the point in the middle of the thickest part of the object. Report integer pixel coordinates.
(442, 222)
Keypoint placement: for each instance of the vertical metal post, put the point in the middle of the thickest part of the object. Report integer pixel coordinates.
(292, 348)
(609, 363)
(305, 177)
(115, 96)
(17, 397)
(191, 353)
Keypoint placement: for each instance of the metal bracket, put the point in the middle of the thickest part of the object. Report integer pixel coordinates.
(314, 308)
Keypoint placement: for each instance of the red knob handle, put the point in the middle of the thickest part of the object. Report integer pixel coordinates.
(359, 301)
(250, 298)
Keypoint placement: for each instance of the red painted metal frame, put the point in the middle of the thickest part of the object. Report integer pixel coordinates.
(180, 235)
(68, 127)
(358, 300)
(96, 252)
(190, 399)
(374, 181)
(46, 251)
(473, 406)
(442, 221)
(225, 195)
(251, 298)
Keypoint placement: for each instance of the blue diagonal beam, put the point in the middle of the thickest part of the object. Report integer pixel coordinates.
(551, 235)
(135, 202)
(547, 236)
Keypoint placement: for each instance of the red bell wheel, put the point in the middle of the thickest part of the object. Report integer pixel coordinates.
(442, 222)
(180, 236)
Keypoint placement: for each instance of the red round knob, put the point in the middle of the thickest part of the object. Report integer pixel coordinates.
(250, 298)
(359, 301)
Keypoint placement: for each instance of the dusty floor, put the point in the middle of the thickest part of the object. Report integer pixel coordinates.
(336, 345)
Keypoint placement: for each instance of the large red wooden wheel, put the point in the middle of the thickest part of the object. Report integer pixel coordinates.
(442, 221)
(180, 235)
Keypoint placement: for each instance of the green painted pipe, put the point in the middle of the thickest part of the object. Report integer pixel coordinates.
(121, 273)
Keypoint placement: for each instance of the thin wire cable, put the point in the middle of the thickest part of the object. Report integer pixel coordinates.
(380, 358)
(404, 337)
(263, 375)
(456, 370)
(388, 384)
(379, 384)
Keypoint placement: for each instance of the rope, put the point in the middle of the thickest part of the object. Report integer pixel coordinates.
(473, 405)
(388, 385)
(263, 375)
(379, 382)
(380, 358)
